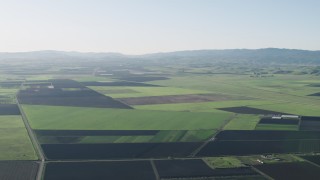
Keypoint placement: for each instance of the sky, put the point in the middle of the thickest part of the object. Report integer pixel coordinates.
(148, 26)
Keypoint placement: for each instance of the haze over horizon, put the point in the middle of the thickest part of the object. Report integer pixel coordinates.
(149, 26)
(150, 53)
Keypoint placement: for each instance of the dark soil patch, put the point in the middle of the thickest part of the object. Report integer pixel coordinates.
(118, 83)
(81, 97)
(118, 150)
(309, 123)
(18, 170)
(251, 177)
(95, 132)
(9, 109)
(249, 110)
(314, 85)
(190, 98)
(102, 102)
(195, 168)
(262, 142)
(310, 118)
(217, 148)
(45, 92)
(292, 171)
(117, 170)
(279, 121)
(314, 159)
(315, 94)
(266, 135)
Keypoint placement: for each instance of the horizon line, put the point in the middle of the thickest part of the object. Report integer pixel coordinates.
(159, 52)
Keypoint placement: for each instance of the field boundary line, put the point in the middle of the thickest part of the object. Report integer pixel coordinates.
(34, 141)
(310, 162)
(262, 173)
(212, 138)
(155, 170)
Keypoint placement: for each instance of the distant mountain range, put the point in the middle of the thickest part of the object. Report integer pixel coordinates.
(268, 55)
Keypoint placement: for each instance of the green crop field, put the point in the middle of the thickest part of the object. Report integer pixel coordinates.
(223, 162)
(144, 91)
(212, 110)
(203, 106)
(14, 140)
(277, 127)
(246, 86)
(243, 122)
(60, 117)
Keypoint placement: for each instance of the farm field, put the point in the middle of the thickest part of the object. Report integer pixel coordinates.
(292, 108)
(242, 122)
(9, 109)
(14, 140)
(165, 122)
(118, 150)
(18, 170)
(251, 147)
(276, 127)
(262, 142)
(203, 106)
(100, 170)
(314, 159)
(196, 168)
(7, 94)
(144, 91)
(184, 125)
(174, 99)
(64, 92)
(121, 136)
(224, 162)
(245, 86)
(298, 170)
(310, 123)
(119, 119)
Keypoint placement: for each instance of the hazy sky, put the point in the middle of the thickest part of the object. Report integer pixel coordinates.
(145, 26)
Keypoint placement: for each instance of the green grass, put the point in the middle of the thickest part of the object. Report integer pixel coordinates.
(144, 91)
(243, 85)
(39, 77)
(203, 106)
(7, 95)
(62, 117)
(14, 140)
(85, 78)
(277, 127)
(133, 139)
(243, 122)
(223, 162)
